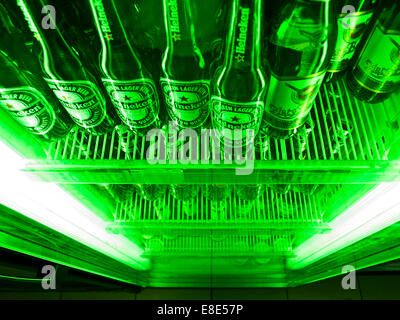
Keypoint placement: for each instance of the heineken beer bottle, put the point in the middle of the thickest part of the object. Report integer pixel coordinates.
(376, 74)
(28, 100)
(186, 194)
(23, 94)
(353, 18)
(128, 83)
(155, 193)
(239, 84)
(218, 194)
(247, 194)
(300, 45)
(151, 191)
(75, 87)
(184, 81)
(121, 192)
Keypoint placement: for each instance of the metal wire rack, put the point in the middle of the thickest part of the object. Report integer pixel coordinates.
(270, 211)
(343, 141)
(231, 246)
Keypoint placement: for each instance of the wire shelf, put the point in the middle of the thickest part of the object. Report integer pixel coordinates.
(344, 141)
(271, 211)
(265, 246)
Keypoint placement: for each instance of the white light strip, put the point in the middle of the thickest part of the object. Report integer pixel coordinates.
(377, 210)
(52, 206)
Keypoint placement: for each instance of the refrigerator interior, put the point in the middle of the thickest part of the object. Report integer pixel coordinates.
(342, 208)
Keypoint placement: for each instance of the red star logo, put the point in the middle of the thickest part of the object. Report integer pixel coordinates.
(9, 106)
(176, 37)
(65, 98)
(235, 119)
(184, 99)
(109, 37)
(126, 98)
(239, 58)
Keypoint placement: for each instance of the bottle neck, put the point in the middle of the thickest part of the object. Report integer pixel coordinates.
(180, 26)
(243, 45)
(48, 38)
(11, 69)
(389, 18)
(114, 37)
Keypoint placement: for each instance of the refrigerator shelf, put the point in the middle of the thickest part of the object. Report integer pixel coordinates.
(348, 141)
(255, 246)
(269, 212)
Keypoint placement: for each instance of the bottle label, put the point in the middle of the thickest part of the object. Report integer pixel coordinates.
(350, 31)
(29, 107)
(378, 68)
(241, 31)
(82, 99)
(289, 101)
(187, 101)
(171, 11)
(136, 101)
(229, 115)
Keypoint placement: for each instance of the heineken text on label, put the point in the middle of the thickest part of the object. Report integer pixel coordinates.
(135, 101)
(229, 116)
(29, 108)
(242, 26)
(348, 39)
(379, 64)
(187, 101)
(173, 19)
(82, 100)
(102, 19)
(289, 101)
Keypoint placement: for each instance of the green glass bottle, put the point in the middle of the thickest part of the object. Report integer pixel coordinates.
(300, 46)
(353, 19)
(239, 84)
(28, 100)
(121, 192)
(281, 188)
(246, 196)
(151, 191)
(184, 82)
(186, 194)
(23, 94)
(127, 140)
(128, 82)
(73, 84)
(376, 74)
(218, 194)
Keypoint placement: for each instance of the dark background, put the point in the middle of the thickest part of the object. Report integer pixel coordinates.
(378, 282)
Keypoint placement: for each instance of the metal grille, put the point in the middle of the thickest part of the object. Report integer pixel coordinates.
(264, 246)
(344, 141)
(270, 211)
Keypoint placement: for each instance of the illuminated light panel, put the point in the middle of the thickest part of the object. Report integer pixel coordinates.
(377, 210)
(52, 206)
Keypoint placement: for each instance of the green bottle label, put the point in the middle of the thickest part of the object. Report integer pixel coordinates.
(136, 101)
(82, 100)
(29, 107)
(289, 101)
(241, 31)
(350, 31)
(187, 101)
(378, 68)
(229, 115)
(172, 13)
